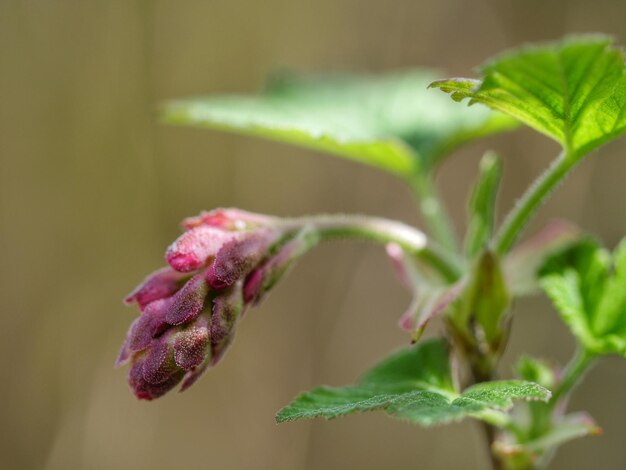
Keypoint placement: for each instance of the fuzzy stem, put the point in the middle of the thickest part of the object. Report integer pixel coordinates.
(381, 230)
(433, 211)
(572, 375)
(535, 195)
(490, 433)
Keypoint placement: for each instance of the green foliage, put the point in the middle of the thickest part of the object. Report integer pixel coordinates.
(391, 122)
(482, 205)
(535, 452)
(485, 299)
(535, 370)
(573, 90)
(586, 286)
(567, 428)
(414, 384)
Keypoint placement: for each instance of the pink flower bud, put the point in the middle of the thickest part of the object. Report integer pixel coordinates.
(161, 283)
(229, 219)
(145, 390)
(237, 257)
(159, 364)
(227, 307)
(149, 325)
(190, 311)
(188, 302)
(253, 285)
(192, 345)
(193, 248)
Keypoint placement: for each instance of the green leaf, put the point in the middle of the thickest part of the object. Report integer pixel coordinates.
(536, 370)
(574, 91)
(500, 394)
(537, 450)
(415, 385)
(485, 299)
(425, 366)
(482, 205)
(611, 314)
(391, 122)
(586, 286)
(569, 427)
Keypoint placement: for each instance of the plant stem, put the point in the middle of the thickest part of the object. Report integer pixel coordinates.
(572, 374)
(535, 195)
(381, 230)
(435, 216)
(490, 437)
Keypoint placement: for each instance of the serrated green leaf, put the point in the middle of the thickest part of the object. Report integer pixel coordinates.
(482, 205)
(587, 288)
(415, 385)
(426, 366)
(573, 90)
(500, 394)
(391, 122)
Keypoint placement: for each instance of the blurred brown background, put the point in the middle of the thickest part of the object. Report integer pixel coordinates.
(92, 190)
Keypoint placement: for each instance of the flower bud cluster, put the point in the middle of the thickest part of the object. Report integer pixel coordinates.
(225, 260)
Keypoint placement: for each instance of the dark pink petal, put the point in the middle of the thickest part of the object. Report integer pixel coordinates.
(226, 310)
(189, 301)
(252, 286)
(137, 382)
(124, 354)
(228, 219)
(237, 257)
(159, 364)
(147, 391)
(193, 248)
(160, 284)
(149, 325)
(191, 346)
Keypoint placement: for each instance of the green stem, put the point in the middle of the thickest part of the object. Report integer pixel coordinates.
(536, 194)
(381, 230)
(435, 216)
(572, 374)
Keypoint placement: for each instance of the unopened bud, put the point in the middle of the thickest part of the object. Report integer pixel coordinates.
(159, 284)
(237, 257)
(188, 302)
(190, 311)
(193, 248)
(227, 307)
(229, 219)
(192, 345)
